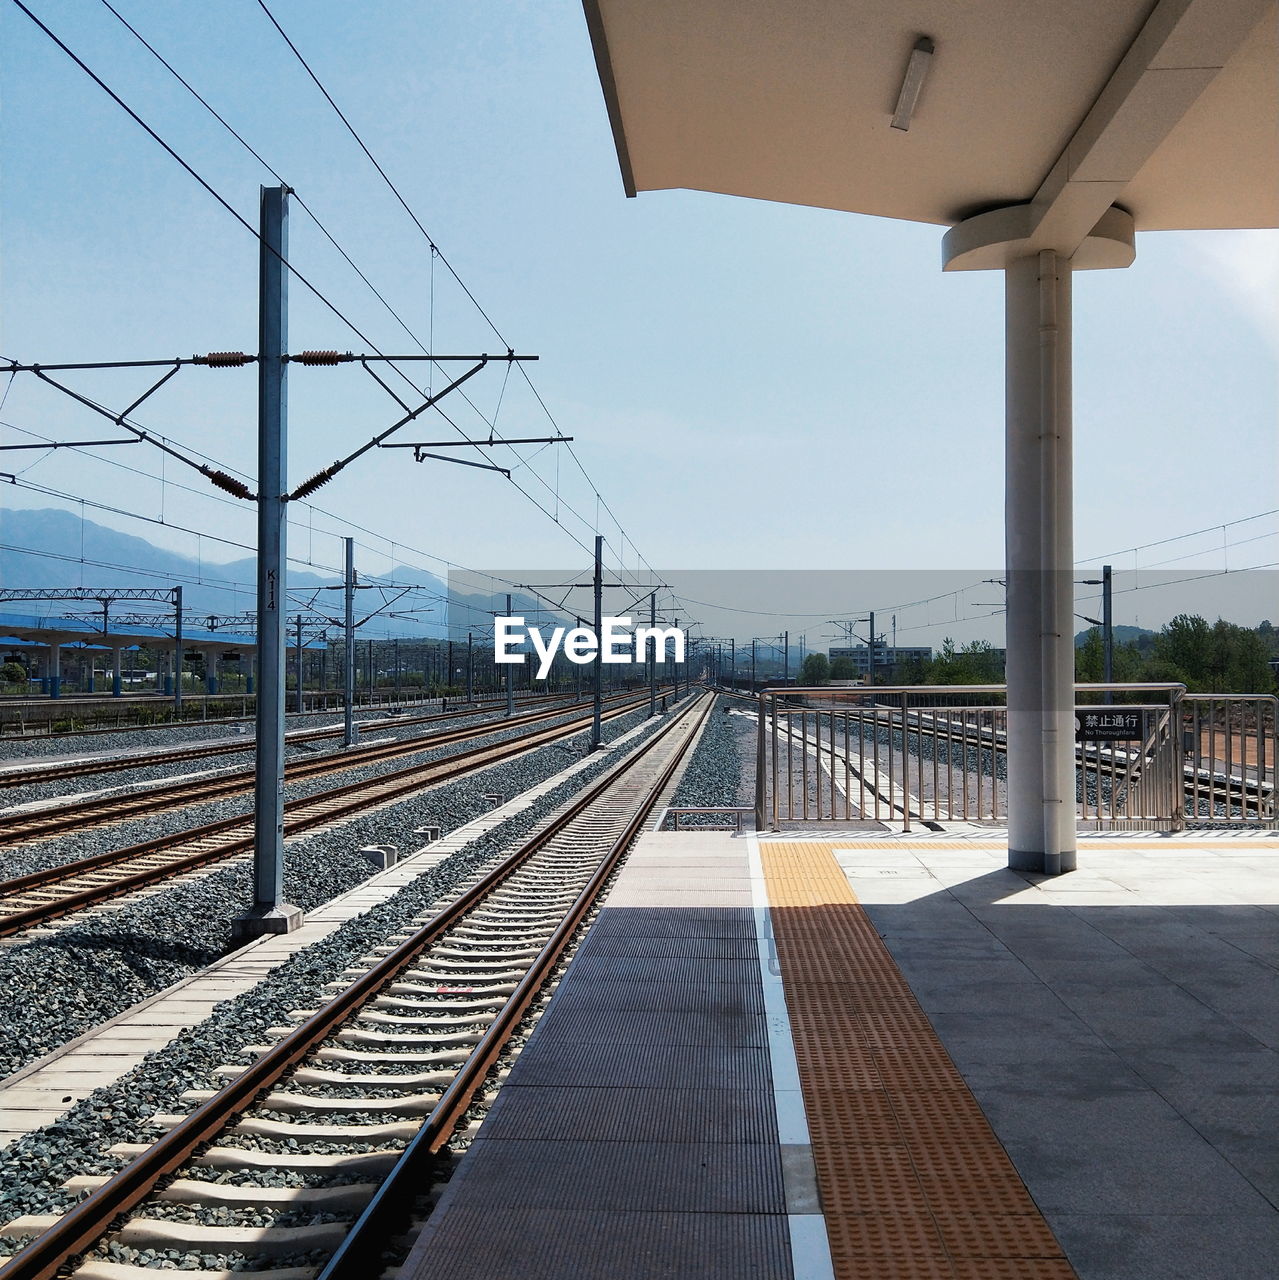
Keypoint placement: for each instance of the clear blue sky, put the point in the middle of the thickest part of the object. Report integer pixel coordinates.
(749, 385)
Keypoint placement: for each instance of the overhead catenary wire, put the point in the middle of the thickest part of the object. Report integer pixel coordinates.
(434, 247)
(437, 252)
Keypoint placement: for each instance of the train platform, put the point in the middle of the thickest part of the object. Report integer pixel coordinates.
(847, 1055)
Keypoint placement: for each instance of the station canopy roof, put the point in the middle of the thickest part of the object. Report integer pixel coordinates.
(41, 629)
(1169, 109)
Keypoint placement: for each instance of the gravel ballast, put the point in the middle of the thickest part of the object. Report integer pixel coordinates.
(65, 984)
(59, 850)
(714, 778)
(33, 1167)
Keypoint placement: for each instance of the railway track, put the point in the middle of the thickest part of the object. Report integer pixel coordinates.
(41, 896)
(309, 1158)
(33, 774)
(36, 824)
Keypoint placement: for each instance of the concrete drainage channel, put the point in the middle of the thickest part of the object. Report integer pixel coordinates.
(277, 1191)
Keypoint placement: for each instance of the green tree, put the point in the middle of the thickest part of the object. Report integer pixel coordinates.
(975, 663)
(13, 673)
(1239, 662)
(842, 669)
(1090, 658)
(1186, 645)
(911, 671)
(816, 669)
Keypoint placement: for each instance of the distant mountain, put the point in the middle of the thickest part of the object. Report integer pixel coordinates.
(54, 549)
(1122, 634)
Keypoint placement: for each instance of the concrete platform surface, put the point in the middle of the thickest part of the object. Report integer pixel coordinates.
(1118, 1027)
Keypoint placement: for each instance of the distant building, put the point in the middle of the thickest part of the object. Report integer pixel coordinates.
(885, 656)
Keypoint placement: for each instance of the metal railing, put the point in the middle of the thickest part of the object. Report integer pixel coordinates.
(1229, 743)
(1149, 756)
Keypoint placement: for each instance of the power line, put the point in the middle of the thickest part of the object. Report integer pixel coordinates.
(154, 134)
(226, 204)
(1145, 546)
(435, 250)
(521, 460)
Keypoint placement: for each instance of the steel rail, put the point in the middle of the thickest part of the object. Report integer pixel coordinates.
(91, 1218)
(387, 1208)
(18, 828)
(22, 776)
(359, 796)
(73, 703)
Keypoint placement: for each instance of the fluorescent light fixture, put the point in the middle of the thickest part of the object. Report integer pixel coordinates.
(921, 57)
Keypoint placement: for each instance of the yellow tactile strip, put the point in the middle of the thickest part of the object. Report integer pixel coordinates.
(913, 1181)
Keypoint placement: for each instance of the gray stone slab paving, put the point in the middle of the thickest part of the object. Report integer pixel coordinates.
(1119, 1026)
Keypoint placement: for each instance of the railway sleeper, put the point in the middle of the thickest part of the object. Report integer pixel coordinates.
(100, 1269)
(421, 1081)
(364, 1056)
(159, 1233)
(408, 1104)
(347, 1198)
(311, 1131)
(369, 1163)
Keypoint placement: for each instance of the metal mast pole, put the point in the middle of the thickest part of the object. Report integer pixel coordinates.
(177, 651)
(652, 656)
(298, 699)
(752, 664)
(270, 913)
(348, 653)
(470, 669)
(510, 684)
(675, 670)
(786, 657)
(1107, 632)
(598, 681)
(732, 660)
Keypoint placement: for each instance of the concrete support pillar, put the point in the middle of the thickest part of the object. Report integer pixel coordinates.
(117, 671)
(1038, 518)
(55, 670)
(210, 671)
(1040, 552)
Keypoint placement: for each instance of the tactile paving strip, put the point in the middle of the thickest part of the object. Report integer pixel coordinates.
(914, 1184)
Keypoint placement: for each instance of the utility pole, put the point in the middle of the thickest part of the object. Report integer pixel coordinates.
(652, 656)
(298, 700)
(470, 668)
(732, 661)
(177, 651)
(348, 653)
(510, 686)
(599, 650)
(870, 652)
(270, 913)
(675, 667)
(1107, 632)
(752, 664)
(786, 657)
